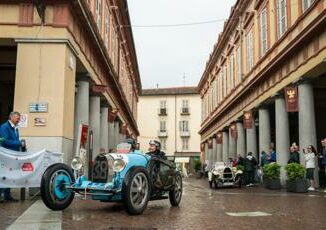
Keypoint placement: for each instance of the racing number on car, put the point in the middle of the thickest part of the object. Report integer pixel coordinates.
(100, 170)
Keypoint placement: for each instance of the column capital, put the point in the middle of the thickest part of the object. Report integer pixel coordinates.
(83, 76)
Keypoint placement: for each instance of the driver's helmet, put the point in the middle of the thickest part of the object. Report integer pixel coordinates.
(156, 143)
(131, 141)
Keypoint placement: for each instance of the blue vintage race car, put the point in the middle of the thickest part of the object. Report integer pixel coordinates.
(132, 178)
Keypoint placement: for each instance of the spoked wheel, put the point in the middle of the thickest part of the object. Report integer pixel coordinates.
(53, 187)
(136, 192)
(176, 194)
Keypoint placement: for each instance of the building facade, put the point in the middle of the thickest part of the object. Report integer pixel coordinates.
(64, 64)
(172, 116)
(264, 83)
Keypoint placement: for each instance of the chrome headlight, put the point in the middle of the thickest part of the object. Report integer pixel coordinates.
(76, 163)
(119, 165)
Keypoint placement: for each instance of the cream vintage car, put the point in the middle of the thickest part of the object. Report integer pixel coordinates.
(222, 175)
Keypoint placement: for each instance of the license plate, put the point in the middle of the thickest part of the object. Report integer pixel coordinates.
(227, 183)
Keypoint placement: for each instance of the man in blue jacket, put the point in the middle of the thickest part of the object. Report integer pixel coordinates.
(10, 140)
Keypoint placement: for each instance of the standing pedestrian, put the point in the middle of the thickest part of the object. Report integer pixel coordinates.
(310, 155)
(250, 164)
(294, 155)
(271, 158)
(10, 140)
(323, 160)
(263, 159)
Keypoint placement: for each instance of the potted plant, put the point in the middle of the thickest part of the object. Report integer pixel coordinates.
(272, 176)
(295, 178)
(197, 168)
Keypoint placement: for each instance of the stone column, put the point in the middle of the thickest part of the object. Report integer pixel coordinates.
(252, 140)
(94, 123)
(307, 121)
(219, 150)
(232, 146)
(264, 130)
(104, 138)
(241, 141)
(111, 137)
(225, 146)
(206, 152)
(282, 135)
(46, 72)
(116, 133)
(82, 113)
(214, 158)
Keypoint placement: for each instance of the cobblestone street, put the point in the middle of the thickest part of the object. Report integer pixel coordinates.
(201, 208)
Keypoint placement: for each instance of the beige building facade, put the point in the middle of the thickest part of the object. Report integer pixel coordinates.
(67, 63)
(172, 116)
(264, 83)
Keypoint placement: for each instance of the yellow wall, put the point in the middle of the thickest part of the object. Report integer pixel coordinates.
(43, 75)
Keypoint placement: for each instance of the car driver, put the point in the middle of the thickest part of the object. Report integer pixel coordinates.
(155, 149)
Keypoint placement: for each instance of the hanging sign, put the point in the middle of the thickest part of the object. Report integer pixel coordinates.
(82, 141)
(112, 115)
(247, 120)
(291, 99)
(219, 138)
(210, 143)
(234, 131)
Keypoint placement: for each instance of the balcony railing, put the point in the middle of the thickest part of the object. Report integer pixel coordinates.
(185, 111)
(162, 112)
(162, 133)
(185, 133)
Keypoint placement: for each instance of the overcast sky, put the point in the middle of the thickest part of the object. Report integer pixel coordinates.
(166, 54)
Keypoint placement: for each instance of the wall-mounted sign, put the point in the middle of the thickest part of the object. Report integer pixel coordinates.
(219, 138)
(247, 119)
(291, 99)
(38, 107)
(40, 121)
(23, 121)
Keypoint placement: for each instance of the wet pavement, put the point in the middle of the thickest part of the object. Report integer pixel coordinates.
(201, 208)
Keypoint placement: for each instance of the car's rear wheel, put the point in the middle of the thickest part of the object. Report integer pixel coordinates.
(176, 194)
(136, 191)
(54, 193)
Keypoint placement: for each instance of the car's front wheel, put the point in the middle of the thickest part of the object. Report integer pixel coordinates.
(54, 193)
(136, 191)
(176, 194)
(238, 181)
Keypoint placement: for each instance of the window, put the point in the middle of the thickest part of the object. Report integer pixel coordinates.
(163, 104)
(232, 71)
(184, 126)
(107, 27)
(162, 126)
(184, 103)
(306, 4)
(225, 81)
(98, 12)
(239, 64)
(281, 17)
(250, 51)
(163, 143)
(185, 143)
(263, 32)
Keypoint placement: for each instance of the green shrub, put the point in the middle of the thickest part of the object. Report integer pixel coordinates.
(272, 171)
(295, 171)
(240, 167)
(197, 165)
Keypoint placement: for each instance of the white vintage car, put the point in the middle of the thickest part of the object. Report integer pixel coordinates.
(222, 175)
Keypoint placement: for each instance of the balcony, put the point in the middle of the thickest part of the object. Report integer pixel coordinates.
(185, 133)
(185, 111)
(162, 112)
(162, 133)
